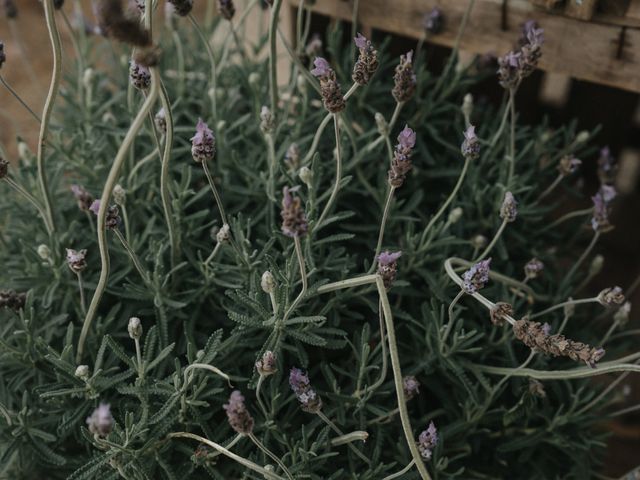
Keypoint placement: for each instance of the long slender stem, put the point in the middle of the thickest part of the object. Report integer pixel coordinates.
(336, 186)
(349, 283)
(503, 123)
(273, 60)
(213, 253)
(54, 37)
(383, 224)
(550, 188)
(268, 452)
(335, 428)
(127, 224)
(581, 372)
(203, 366)
(132, 255)
(450, 323)
(512, 138)
(569, 216)
(303, 275)
(223, 215)
(383, 371)
(401, 472)
(603, 394)
(263, 407)
(17, 97)
(584, 255)
(241, 460)
(104, 205)
(397, 377)
(493, 242)
(562, 305)
(22, 191)
(139, 357)
(83, 303)
(624, 411)
(212, 63)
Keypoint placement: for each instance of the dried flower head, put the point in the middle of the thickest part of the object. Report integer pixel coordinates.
(267, 364)
(476, 277)
(427, 441)
(268, 282)
(239, 417)
(134, 328)
(101, 421)
(267, 122)
(292, 157)
(139, 75)
(203, 143)
(509, 208)
(119, 195)
(405, 80)
(83, 197)
(533, 38)
(611, 297)
(388, 267)
(401, 161)
(114, 22)
(113, 214)
(534, 336)
(410, 386)
(568, 165)
(226, 9)
(471, 145)
(306, 175)
(499, 312)
(367, 62)
(536, 388)
(509, 69)
(301, 386)
(10, 9)
(533, 268)
(160, 120)
(600, 219)
(433, 22)
(294, 220)
(181, 7)
(329, 87)
(224, 234)
(76, 260)
(4, 168)
(12, 300)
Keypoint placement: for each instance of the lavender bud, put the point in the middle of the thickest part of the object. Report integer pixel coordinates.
(294, 220)
(499, 312)
(401, 162)
(404, 79)
(134, 328)
(101, 421)
(509, 67)
(596, 265)
(476, 277)
(329, 87)
(471, 145)
(455, 215)
(139, 75)
(113, 214)
(536, 388)
(479, 241)
(119, 195)
(388, 267)
(203, 143)
(267, 364)
(226, 8)
(410, 386)
(76, 260)
(267, 122)
(533, 268)
(181, 7)
(306, 175)
(44, 252)
(3, 56)
(301, 84)
(568, 165)
(224, 234)
(381, 123)
(4, 168)
(292, 157)
(509, 209)
(24, 152)
(427, 441)
(160, 120)
(239, 417)
(600, 220)
(433, 22)
(268, 282)
(87, 78)
(84, 198)
(621, 317)
(301, 386)
(367, 62)
(582, 137)
(467, 106)
(610, 297)
(12, 299)
(82, 372)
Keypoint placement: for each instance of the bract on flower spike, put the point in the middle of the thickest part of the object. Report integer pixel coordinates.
(329, 87)
(405, 80)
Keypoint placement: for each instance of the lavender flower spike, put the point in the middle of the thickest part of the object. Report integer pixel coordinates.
(600, 220)
(76, 260)
(329, 87)
(322, 68)
(427, 441)
(83, 197)
(476, 277)
(401, 161)
(239, 417)
(139, 75)
(306, 395)
(203, 143)
(113, 214)
(509, 209)
(294, 220)
(367, 62)
(101, 421)
(405, 80)
(410, 386)
(388, 267)
(471, 145)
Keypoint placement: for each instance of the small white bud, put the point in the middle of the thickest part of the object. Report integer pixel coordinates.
(87, 78)
(220, 126)
(306, 175)
(383, 126)
(254, 79)
(44, 252)
(455, 215)
(268, 282)
(467, 106)
(479, 241)
(82, 372)
(24, 152)
(135, 328)
(211, 93)
(224, 234)
(596, 265)
(119, 195)
(583, 136)
(267, 122)
(301, 83)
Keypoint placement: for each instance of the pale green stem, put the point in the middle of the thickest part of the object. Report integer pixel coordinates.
(83, 303)
(569, 216)
(550, 188)
(112, 178)
(584, 255)
(232, 443)
(335, 428)
(349, 283)
(268, 452)
(503, 123)
(212, 63)
(140, 164)
(493, 242)
(603, 394)
(383, 224)
(213, 253)
(54, 37)
(273, 60)
(180, 61)
(384, 369)
(132, 255)
(139, 358)
(610, 331)
(564, 304)
(449, 326)
(299, 25)
(401, 472)
(203, 366)
(21, 190)
(17, 97)
(357, 436)
(303, 275)
(241, 460)
(624, 411)
(271, 186)
(294, 58)
(452, 195)
(223, 215)
(581, 372)
(336, 186)
(512, 139)
(397, 376)
(263, 407)
(127, 225)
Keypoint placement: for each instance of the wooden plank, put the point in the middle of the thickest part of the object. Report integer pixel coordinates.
(548, 4)
(555, 89)
(587, 51)
(581, 9)
(634, 10)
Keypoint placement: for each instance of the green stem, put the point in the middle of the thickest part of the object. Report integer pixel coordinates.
(303, 275)
(512, 138)
(401, 472)
(383, 223)
(263, 407)
(349, 283)
(503, 123)
(449, 326)
(550, 188)
(203, 366)
(213, 253)
(336, 186)
(385, 367)
(21, 190)
(139, 358)
(273, 60)
(581, 372)
(83, 303)
(335, 428)
(241, 460)
(562, 305)
(268, 452)
(584, 255)
(212, 63)
(17, 97)
(569, 216)
(132, 255)
(493, 242)
(218, 199)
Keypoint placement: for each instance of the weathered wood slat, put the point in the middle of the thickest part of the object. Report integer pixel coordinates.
(583, 50)
(634, 10)
(583, 10)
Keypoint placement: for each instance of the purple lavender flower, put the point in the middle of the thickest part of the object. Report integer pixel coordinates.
(509, 69)
(410, 386)
(405, 80)
(101, 421)
(476, 277)
(611, 297)
(607, 192)
(239, 417)
(294, 220)
(606, 166)
(509, 208)
(427, 441)
(83, 197)
(401, 162)
(433, 21)
(203, 143)
(113, 214)
(306, 395)
(533, 268)
(546, 328)
(322, 68)
(388, 267)
(600, 220)
(471, 145)
(76, 259)
(367, 62)
(329, 87)
(139, 75)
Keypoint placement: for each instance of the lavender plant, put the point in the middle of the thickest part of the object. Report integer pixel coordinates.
(167, 313)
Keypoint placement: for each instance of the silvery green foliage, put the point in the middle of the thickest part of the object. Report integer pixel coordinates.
(219, 312)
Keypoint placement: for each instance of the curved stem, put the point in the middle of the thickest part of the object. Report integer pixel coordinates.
(562, 305)
(104, 205)
(127, 225)
(581, 372)
(503, 123)
(54, 37)
(268, 452)
(449, 326)
(213, 253)
(241, 460)
(385, 367)
(316, 139)
(223, 215)
(603, 394)
(203, 366)
(273, 60)
(17, 97)
(263, 407)
(22, 191)
(132, 255)
(550, 188)
(212, 63)
(569, 216)
(493, 242)
(584, 255)
(303, 275)
(83, 303)
(383, 224)
(397, 377)
(336, 187)
(401, 472)
(335, 428)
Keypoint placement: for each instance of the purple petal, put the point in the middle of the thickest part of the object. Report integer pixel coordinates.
(322, 67)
